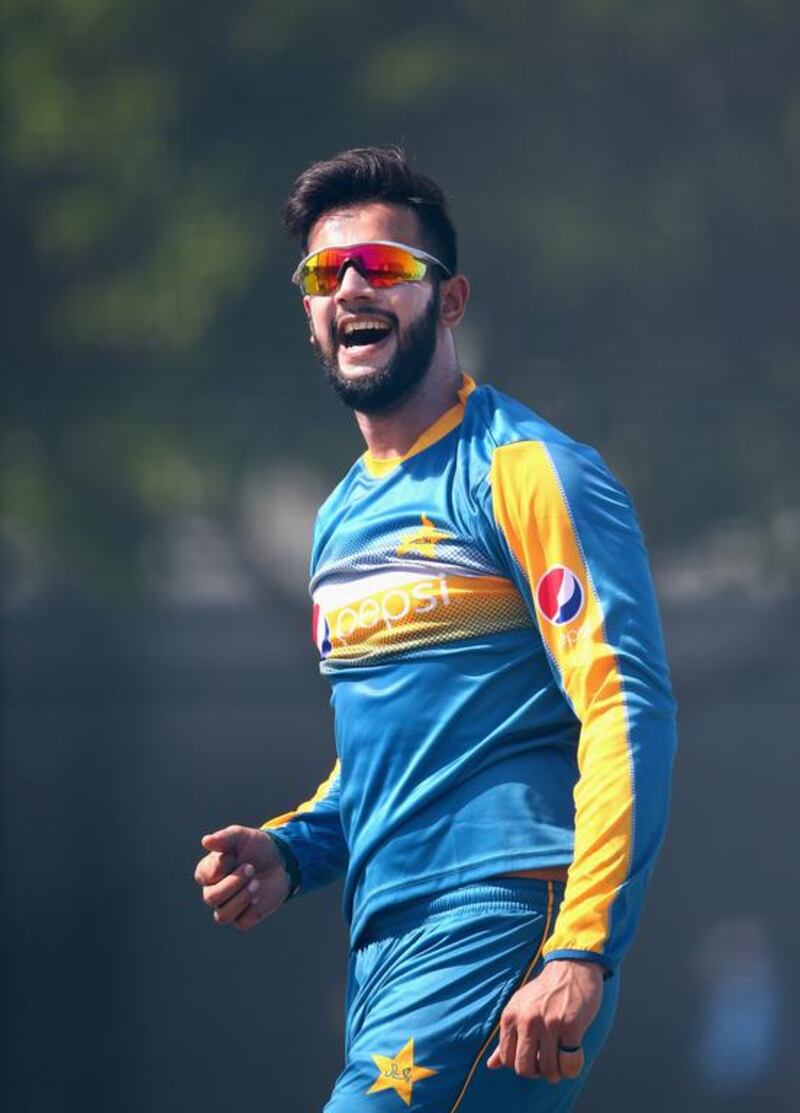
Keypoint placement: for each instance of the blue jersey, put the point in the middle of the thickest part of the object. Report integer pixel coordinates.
(484, 613)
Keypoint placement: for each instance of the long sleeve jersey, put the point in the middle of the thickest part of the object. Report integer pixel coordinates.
(484, 613)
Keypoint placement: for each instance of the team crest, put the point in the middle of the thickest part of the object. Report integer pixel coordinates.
(423, 540)
(399, 1073)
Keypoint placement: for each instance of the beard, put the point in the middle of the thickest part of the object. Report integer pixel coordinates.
(387, 387)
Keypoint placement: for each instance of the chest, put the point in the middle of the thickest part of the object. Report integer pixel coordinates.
(406, 567)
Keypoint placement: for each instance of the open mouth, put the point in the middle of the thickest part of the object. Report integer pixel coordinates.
(360, 332)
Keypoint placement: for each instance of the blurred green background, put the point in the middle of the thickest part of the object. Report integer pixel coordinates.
(625, 180)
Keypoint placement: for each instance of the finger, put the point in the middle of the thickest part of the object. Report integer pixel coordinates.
(264, 900)
(268, 898)
(548, 1057)
(228, 838)
(217, 895)
(495, 1060)
(250, 917)
(570, 1051)
(503, 1056)
(228, 912)
(213, 868)
(570, 1061)
(526, 1060)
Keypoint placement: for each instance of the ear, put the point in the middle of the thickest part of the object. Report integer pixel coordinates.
(453, 298)
(307, 306)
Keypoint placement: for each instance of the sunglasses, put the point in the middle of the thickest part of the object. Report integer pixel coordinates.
(382, 263)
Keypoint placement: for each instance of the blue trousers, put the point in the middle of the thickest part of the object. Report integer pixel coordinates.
(426, 990)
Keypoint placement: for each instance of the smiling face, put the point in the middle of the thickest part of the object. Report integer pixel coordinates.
(375, 345)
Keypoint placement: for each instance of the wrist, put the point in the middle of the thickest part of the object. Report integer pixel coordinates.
(289, 863)
(587, 958)
(584, 967)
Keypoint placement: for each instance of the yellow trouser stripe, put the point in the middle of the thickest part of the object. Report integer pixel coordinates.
(527, 973)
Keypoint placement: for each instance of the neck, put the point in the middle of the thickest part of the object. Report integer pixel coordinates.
(392, 434)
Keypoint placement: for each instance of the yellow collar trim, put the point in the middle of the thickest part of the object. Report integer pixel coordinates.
(380, 466)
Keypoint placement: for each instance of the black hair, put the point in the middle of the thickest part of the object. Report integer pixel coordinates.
(366, 174)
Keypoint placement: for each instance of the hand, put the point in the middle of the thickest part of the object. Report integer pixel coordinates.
(242, 876)
(552, 1011)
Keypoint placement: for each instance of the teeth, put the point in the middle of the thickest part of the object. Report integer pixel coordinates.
(350, 327)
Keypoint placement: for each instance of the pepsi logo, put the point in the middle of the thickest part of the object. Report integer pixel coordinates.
(320, 631)
(560, 595)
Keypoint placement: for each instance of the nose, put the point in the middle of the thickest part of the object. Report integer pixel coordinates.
(352, 284)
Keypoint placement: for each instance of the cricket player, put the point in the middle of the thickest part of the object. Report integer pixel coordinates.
(504, 723)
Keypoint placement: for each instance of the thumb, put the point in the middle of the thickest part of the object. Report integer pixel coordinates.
(228, 839)
(494, 1059)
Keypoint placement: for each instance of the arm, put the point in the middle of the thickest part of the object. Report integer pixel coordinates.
(248, 873)
(556, 508)
(310, 838)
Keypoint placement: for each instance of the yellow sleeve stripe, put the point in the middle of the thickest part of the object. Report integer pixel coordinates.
(531, 510)
(318, 796)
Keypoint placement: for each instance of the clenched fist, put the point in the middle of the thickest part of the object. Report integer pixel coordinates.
(242, 876)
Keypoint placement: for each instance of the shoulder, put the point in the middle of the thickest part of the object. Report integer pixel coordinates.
(539, 463)
(346, 492)
(340, 495)
(512, 431)
(504, 420)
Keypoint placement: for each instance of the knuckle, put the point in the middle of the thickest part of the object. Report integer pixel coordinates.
(204, 870)
(530, 1026)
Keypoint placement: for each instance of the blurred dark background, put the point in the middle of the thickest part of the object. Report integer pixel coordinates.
(625, 180)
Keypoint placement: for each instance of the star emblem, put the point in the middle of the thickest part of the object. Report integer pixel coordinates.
(399, 1073)
(423, 540)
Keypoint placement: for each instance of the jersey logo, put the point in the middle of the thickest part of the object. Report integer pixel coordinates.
(399, 1073)
(320, 631)
(423, 540)
(559, 595)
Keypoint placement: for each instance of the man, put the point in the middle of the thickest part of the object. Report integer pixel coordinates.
(504, 721)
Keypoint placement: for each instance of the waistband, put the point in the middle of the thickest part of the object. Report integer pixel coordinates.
(504, 894)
